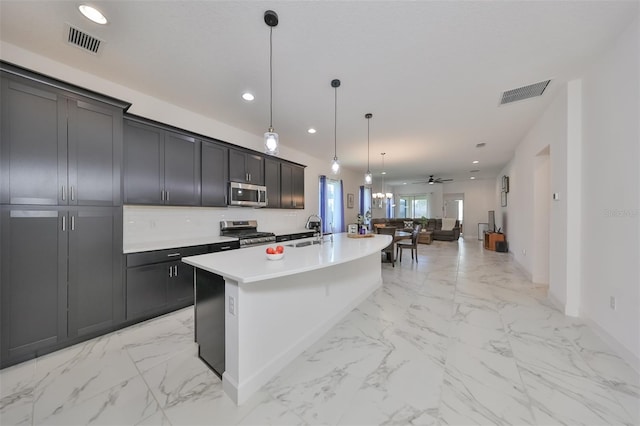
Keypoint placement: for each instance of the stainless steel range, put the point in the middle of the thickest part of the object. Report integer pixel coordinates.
(246, 231)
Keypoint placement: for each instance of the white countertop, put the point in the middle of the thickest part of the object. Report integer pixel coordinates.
(250, 264)
(173, 243)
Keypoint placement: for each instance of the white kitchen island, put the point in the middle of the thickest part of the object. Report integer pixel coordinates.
(274, 310)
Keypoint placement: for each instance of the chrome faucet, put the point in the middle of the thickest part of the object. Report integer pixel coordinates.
(315, 222)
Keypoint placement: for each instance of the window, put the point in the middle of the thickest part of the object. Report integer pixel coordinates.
(413, 206)
(331, 205)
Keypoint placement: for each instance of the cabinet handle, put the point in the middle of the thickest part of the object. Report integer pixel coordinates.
(170, 271)
(173, 254)
(72, 192)
(166, 195)
(73, 223)
(225, 248)
(64, 193)
(64, 223)
(175, 271)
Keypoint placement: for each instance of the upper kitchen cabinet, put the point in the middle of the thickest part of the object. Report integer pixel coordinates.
(245, 167)
(215, 171)
(160, 166)
(272, 182)
(58, 147)
(291, 186)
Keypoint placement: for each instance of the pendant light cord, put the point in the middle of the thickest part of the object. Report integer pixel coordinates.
(335, 126)
(368, 168)
(270, 78)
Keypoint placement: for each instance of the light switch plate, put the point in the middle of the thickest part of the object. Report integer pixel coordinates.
(556, 196)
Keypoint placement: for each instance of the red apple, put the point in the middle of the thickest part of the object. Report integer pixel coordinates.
(279, 249)
(271, 250)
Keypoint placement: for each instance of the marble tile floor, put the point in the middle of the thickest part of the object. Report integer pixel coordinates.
(459, 338)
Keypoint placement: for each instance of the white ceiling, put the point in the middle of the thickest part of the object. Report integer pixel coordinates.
(432, 73)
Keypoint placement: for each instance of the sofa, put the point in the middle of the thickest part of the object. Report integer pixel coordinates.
(433, 225)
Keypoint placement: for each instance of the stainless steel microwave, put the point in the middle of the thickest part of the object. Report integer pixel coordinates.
(245, 194)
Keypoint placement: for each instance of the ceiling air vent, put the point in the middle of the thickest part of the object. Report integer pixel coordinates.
(83, 40)
(524, 92)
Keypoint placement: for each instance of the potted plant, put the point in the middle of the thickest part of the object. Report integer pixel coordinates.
(423, 222)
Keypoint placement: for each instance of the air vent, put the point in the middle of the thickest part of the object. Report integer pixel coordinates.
(474, 171)
(480, 145)
(83, 40)
(524, 92)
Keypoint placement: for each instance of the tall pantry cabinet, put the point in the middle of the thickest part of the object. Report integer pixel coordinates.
(60, 214)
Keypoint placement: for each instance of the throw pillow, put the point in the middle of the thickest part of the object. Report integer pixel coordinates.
(448, 224)
(408, 224)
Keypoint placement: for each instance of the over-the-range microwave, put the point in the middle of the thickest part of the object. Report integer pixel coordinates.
(246, 194)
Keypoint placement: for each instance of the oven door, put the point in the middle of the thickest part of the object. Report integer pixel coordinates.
(244, 194)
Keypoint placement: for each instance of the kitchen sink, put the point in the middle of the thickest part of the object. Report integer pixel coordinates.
(303, 243)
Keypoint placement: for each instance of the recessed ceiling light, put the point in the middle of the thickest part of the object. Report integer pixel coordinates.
(248, 96)
(93, 14)
(472, 177)
(475, 161)
(404, 183)
(311, 130)
(383, 173)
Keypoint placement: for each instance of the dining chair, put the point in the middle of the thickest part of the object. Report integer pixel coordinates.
(388, 250)
(413, 245)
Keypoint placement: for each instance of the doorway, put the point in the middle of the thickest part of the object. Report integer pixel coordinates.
(454, 208)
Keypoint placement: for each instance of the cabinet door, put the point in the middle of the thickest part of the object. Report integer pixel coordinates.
(255, 169)
(147, 290)
(215, 173)
(181, 285)
(95, 149)
(298, 187)
(95, 269)
(34, 291)
(237, 166)
(143, 164)
(286, 186)
(34, 142)
(181, 170)
(272, 182)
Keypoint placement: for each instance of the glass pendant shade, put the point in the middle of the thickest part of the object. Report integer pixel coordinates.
(335, 166)
(271, 142)
(368, 178)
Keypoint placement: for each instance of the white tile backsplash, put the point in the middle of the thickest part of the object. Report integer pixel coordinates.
(148, 224)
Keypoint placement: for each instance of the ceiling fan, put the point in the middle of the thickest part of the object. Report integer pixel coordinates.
(433, 180)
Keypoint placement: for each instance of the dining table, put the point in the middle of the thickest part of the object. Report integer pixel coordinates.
(401, 235)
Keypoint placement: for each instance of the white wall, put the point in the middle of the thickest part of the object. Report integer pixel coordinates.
(517, 218)
(594, 122)
(162, 223)
(611, 199)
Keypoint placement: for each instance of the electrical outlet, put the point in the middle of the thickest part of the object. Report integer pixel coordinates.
(612, 303)
(232, 305)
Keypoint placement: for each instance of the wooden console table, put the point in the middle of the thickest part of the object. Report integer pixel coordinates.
(490, 240)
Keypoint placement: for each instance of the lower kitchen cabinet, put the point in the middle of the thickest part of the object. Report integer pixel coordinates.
(61, 277)
(158, 282)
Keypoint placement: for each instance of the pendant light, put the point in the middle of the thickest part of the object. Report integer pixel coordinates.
(368, 177)
(335, 164)
(271, 137)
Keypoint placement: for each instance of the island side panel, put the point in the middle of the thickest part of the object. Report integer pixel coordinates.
(276, 320)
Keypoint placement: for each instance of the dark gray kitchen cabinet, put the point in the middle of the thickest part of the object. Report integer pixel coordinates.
(34, 288)
(158, 282)
(147, 290)
(95, 270)
(215, 173)
(272, 182)
(58, 148)
(61, 276)
(246, 167)
(292, 186)
(160, 167)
